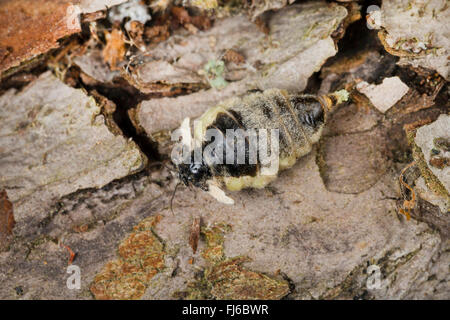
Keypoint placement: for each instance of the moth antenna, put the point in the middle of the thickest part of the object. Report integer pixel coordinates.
(173, 196)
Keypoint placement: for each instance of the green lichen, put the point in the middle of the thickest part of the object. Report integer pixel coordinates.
(141, 257)
(214, 70)
(214, 242)
(341, 96)
(431, 181)
(205, 4)
(227, 278)
(231, 281)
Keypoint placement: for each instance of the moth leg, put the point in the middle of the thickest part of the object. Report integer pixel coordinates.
(186, 133)
(219, 194)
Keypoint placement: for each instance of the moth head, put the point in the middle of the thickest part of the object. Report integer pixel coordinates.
(196, 174)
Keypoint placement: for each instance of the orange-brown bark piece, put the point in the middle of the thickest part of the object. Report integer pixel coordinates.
(195, 234)
(157, 34)
(71, 253)
(114, 51)
(408, 205)
(7, 221)
(233, 56)
(201, 22)
(181, 15)
(31, 27)
(141, 257)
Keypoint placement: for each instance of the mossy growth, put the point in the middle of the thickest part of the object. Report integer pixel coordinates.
(227, 278)
(431, 181)
(214, 70)
(141, 257)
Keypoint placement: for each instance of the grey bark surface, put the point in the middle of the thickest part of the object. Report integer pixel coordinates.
(284, 59)
(319, 226)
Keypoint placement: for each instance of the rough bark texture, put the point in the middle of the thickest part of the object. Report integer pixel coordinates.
(19, 42)
(284, 59)
(54, 141)
(418, 33)
(80, 190)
